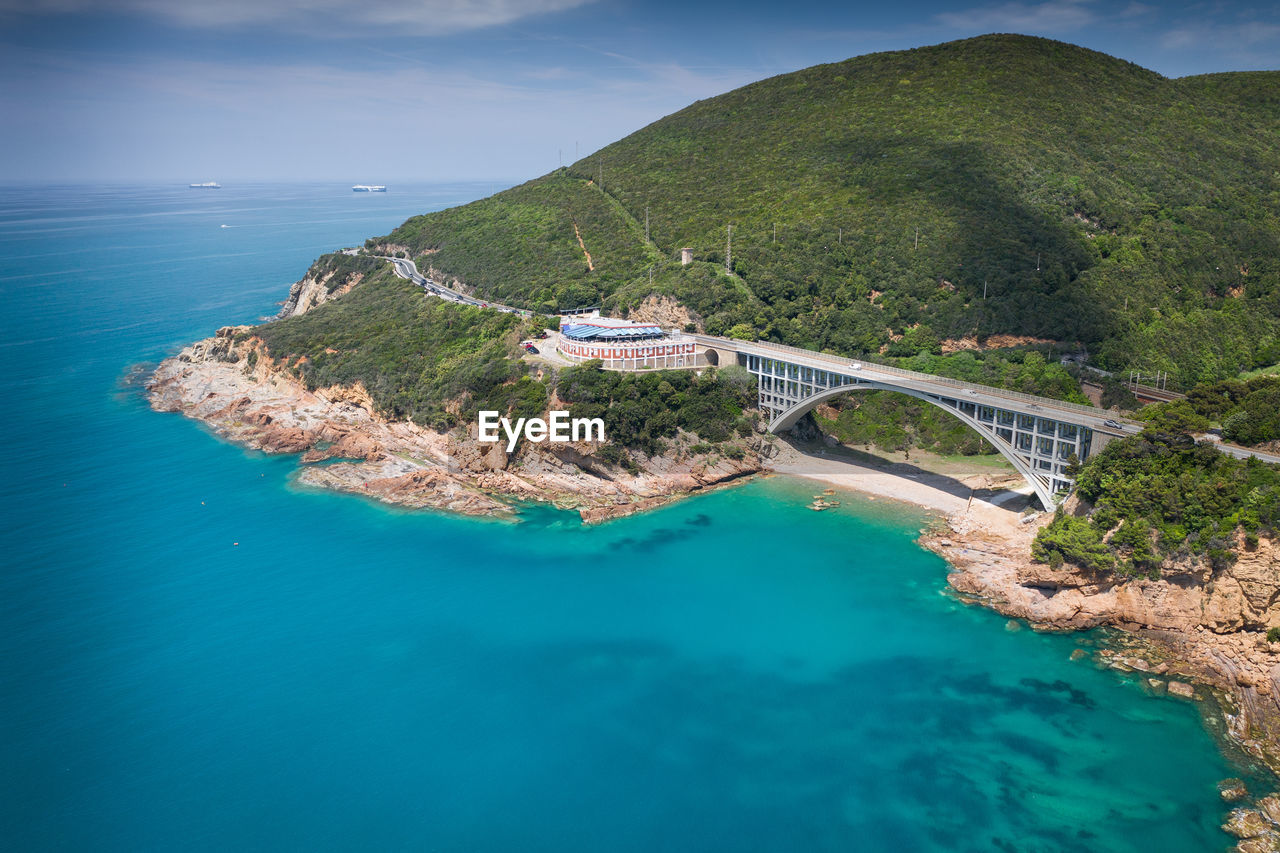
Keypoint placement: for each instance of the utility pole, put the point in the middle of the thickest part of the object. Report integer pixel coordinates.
(651, 276)
(840, 236)
(728, 252)
(984, 290)
(917, 245)
(1037, 262)
(775, 232)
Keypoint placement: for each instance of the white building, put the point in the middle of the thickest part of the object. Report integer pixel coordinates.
(623, 345)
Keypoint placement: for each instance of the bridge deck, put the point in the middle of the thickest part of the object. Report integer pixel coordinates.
(1040, 436)
(1087, 416)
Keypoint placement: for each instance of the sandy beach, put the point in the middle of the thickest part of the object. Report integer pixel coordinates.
(978, 500)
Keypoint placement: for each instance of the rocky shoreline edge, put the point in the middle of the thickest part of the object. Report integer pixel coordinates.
(1193, 634)
(231, 384)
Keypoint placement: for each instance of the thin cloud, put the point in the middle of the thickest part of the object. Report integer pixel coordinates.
(333, 17)
(1136, 10)
(1223, 37)
(1061, 16)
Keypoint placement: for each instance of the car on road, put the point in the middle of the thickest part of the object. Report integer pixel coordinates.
(1112, 424)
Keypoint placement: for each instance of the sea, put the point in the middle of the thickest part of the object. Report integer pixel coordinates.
(199, 654)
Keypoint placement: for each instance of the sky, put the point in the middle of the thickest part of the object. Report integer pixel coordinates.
(375, 91)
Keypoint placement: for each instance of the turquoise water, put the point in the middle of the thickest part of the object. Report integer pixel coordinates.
(733, 672)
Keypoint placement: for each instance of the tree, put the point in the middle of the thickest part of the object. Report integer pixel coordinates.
(1175, 417)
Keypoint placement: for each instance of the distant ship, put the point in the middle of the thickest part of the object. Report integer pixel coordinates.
(207, 185)
(366, 188)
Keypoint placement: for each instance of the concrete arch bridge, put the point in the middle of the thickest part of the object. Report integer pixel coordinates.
(1036, 434)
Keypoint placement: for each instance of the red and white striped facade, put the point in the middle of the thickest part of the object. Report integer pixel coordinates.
(632, 355)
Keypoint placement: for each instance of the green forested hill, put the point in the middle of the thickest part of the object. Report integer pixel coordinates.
(1093, 200)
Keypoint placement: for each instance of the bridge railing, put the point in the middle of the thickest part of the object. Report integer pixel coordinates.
(847, 363)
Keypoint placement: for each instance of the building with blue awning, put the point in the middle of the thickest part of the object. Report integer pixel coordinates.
(624, 345)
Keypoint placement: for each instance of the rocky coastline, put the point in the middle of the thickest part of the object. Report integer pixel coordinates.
(1194, 633)
(233, 385)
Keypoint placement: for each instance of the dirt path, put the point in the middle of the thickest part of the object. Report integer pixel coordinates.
(578, 234)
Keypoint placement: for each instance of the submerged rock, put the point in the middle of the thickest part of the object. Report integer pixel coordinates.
(1232, 790)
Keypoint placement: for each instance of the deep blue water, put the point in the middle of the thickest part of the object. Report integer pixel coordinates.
(730, 673)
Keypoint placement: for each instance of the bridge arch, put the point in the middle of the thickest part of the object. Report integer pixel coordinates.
(1040, 485)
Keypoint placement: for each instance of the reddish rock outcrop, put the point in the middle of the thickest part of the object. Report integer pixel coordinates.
(230, 382)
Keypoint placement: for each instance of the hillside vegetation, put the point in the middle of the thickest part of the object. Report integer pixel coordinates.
(438, 364)
(644, 411)
(1158, 496)
(1090, 199)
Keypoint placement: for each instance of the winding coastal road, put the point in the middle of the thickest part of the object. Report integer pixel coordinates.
(408, 269)
(1240, 452)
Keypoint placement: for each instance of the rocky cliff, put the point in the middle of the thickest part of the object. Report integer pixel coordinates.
(665, 311)
(316, 288)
